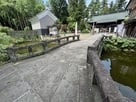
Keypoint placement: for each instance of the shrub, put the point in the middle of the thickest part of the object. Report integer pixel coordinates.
(71, 26)
(85, 31)
(27, 28)
(5, 29)
(5, 41)
(118, 43)
(84, 26)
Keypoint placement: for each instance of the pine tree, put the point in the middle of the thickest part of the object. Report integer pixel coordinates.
(94, 7)
(77, 11)
(104, 7)
(60, 9)
(112, 7)
(73, 8)
(121, 4)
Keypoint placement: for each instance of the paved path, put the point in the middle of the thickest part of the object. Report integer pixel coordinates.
(58, 76)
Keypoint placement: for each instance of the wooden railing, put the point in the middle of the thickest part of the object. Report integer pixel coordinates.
(15, 53)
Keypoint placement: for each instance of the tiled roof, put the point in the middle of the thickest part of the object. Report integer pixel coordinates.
(43, 14)
(113, 17)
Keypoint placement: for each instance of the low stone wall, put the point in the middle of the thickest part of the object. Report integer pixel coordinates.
(28, 35)
(44, 47)
(99, 76)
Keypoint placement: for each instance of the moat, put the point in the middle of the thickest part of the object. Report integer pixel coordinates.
(122, 68)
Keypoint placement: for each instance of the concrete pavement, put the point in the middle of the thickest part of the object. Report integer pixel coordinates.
(58, 76)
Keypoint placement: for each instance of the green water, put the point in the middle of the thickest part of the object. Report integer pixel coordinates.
(122, 68)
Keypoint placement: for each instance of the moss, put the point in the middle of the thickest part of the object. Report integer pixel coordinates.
(34, 49)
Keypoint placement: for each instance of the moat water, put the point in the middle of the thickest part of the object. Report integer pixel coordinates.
(122, 68)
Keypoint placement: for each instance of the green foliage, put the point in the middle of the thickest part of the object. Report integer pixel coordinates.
(122, 44)
(84, 26)
(27, 28)
(126, 19)
(5, 41)
(85, 31)
(121, 4)
(16, 13)
(58, 23)
(97, 7)
(5, 29)
(77, 12)
(71, 26)
(26, 37)
(60, 9)
(94, 7)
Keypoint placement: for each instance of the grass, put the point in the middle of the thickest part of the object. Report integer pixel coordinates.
(35, 49)
(39, 48)
(25, 43)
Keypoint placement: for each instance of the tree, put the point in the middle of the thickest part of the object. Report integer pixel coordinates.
(77, 11)
(16, 13)
(112, 7)
(81, 9)
(121, 4)
(73, 8)
(94, 7)
(104, 8)
(60, 9)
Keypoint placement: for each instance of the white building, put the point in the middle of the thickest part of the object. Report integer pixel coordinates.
(42, 21)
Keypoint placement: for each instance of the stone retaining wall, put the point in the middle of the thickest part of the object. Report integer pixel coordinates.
(99, 76)
(27, 35)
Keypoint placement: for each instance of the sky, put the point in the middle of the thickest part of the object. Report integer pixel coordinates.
(88, 1)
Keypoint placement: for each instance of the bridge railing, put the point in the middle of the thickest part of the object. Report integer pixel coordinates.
(28, 51)
(100, 77)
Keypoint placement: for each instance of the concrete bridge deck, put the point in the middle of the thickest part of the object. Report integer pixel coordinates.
(58, 76)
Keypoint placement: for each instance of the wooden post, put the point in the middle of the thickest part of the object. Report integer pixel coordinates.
(30, 50)
(12, 54)
(73, 38)
(59, 41)
(67, 39)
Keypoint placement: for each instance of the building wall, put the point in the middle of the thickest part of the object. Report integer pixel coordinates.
(46, 21)
(131, 25)
(36, 25)
(133, 13)
(42, 25)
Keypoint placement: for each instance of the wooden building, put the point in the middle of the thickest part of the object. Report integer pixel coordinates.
(131, 23)
(42, 21)
(108, 22)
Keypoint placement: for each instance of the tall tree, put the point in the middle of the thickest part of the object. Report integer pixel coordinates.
(112, 7)
(16, 13)
(121, 4)
(77, 9)
(81, 9)
(94, 7)
(73, 8)
(60, 9)
(104, 7)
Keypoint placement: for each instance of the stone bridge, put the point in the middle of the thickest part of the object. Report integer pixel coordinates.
(57, 76)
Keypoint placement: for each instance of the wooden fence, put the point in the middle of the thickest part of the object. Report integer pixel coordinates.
(28, 51)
